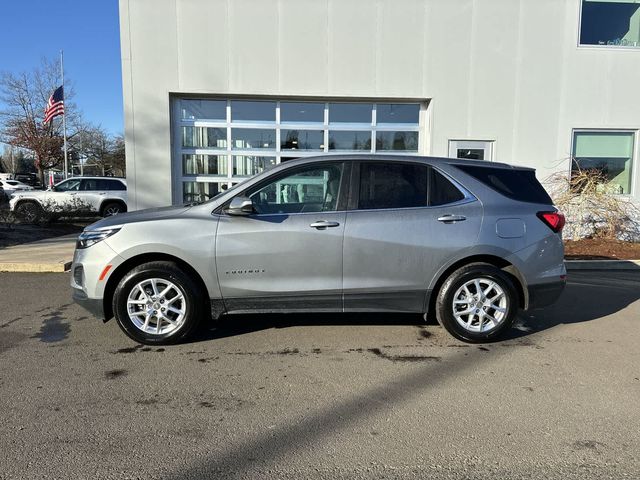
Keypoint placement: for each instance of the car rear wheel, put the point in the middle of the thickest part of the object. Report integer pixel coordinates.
(157, 303)
(477, 303)
(29, 212)
(113, 208)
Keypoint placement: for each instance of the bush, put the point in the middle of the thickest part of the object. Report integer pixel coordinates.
(594, 209)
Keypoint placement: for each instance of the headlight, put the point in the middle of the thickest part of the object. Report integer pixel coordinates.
(88, 238)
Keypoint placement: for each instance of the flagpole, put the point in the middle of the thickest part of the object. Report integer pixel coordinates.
(64, 120)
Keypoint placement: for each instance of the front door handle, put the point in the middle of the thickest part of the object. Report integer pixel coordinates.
(451, 218)
(322, 224)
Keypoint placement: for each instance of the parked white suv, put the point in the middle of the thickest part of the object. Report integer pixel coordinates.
(11, 186)
(73, 197)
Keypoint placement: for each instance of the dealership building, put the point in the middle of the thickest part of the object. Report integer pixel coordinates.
(218, 90)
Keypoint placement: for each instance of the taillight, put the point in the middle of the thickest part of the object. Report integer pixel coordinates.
(554, 220)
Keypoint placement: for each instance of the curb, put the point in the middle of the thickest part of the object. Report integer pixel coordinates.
(35, 267)
(602, 264)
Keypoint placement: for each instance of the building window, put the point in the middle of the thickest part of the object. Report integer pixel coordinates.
(608, 152)
(610, 23)
(471, 149)
(219, 142)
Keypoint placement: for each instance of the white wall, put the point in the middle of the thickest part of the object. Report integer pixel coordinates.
(503, 70)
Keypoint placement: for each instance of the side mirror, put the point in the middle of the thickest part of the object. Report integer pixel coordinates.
(240, 206)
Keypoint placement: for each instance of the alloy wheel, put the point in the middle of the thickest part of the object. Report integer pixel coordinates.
(480, 305)
(156, 306)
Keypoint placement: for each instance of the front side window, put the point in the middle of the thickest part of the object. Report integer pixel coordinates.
(610, 153)
(610, 22)
(313, 189)
(68, 186)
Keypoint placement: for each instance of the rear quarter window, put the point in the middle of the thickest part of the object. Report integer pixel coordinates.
(517, 184)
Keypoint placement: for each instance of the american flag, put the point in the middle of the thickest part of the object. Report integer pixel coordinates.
(55, 106)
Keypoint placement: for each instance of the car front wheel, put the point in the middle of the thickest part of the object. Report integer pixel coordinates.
(477, 303)
(29, 212)
(157, 303)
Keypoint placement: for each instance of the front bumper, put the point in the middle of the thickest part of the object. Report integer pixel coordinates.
(545, 294)
(95, 306)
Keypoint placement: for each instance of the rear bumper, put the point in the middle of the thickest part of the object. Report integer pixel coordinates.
(545, 294)
(92, 305)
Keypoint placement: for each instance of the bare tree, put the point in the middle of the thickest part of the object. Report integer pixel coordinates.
(117, 156)
(25, 96)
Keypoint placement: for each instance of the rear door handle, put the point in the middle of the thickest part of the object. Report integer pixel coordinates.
(451, 218)
(322, 224)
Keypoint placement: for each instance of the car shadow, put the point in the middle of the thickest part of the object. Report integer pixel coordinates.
(589, 295)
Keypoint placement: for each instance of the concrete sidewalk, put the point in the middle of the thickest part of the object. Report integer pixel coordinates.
(49, 255)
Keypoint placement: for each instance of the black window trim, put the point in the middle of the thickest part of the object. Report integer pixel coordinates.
(354, 191)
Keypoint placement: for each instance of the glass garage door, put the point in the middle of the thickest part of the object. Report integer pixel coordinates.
(221, 142)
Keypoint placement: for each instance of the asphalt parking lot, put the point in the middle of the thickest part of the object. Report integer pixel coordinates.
(322, 396)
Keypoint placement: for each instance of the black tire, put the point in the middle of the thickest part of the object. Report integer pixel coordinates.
(110, 209)
(445, 303)
(29, 212)
(162, 270)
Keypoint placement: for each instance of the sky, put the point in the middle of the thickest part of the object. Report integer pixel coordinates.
(88, 32)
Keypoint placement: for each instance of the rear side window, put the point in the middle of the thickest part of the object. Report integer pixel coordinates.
(404, 185)
(517, 184)
(442, 191)
(392, 185)
(115, 185)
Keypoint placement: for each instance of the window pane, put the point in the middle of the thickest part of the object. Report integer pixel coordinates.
(404, 141)
(251, 165)
(115, 185)
(350, 112)
(519, 184)
(68, 186)
(204, 137)
(246, 111)
(470, 153)
(301, 112)
(301, 139)
(204, 109)
(609, 152)
(392, 185)
(201, 191)
(349, 140)
(252, 138)
(315, 189)
(610, 22)
(442, 191)
(397, 113)
(204, 164)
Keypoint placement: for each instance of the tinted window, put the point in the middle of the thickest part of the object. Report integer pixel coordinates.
(442, 191)
(610, 22)
(392, 185)
(312, 189)
(260, 111)
(301, 112)
(91, 185)
(350, 112)
(517, 184)
(115, 185)
(397, 113)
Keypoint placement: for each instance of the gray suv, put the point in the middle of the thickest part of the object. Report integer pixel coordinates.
(470, 241)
